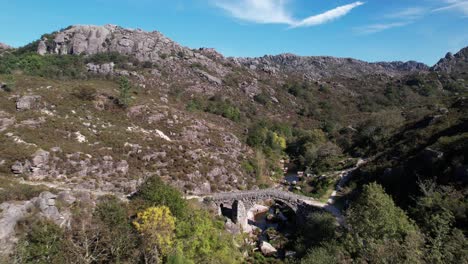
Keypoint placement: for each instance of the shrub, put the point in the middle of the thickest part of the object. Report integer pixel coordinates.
(42, 243)
(154, 192)
(85, 93)
(124, 92)
(261, 98)
(156, 225)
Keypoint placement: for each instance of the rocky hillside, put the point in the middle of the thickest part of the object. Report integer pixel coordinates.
(319, 67)
(91, 111)
(457, 63)
(190, 110)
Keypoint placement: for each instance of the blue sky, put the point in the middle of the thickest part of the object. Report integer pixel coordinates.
(371, 30)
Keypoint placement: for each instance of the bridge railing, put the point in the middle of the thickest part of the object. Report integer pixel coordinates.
(259, 193)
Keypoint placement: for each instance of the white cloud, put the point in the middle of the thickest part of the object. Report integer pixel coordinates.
(328, 16)
(408, 13)
(258, 11)
(277, 12)
(454, 5)
(370, 29)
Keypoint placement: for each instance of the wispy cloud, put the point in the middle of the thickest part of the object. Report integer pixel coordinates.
(454, 5)
(409, 13)
(277, 12)
(328, 16)
(374, 28)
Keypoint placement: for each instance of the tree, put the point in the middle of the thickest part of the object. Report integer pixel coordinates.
(375, 216)
(318, 228)
(204, 240)
(154, 192)
(124, 92)
(116, 236)
(437, 212)
(41, 244)
(156, 225)
(379, 231)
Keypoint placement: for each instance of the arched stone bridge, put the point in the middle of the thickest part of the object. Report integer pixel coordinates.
(243, 201)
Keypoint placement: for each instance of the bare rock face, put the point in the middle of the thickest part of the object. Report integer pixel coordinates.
(88, 39)
(453, 63)
(316, 67)
(40, 165)
(28, 102)
(45, 206)
(4, 46)
(10, 214)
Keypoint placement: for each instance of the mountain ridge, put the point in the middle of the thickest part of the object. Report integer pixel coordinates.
(153, 46)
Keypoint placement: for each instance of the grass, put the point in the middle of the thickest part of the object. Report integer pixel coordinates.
(13, 190)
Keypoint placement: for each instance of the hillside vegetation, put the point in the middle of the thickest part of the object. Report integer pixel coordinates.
(117, 134)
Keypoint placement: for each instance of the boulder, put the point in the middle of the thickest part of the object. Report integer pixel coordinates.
(106, 68)
(28, 102)
(5, 121)
(267, 249)
(21, 168)
(10, 214)
(209, 77)
(42, 48)
(40, 165)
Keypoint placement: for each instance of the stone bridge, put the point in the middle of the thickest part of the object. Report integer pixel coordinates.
(241, 202)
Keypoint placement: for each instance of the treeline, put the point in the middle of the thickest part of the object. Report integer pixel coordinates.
(62, 66)
(378, 231)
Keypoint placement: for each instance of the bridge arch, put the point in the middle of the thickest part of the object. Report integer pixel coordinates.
(243, 201)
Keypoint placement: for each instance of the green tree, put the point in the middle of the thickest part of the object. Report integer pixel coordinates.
(318, 228)
(204, 240)
(42, 243)
(154, 192)
(381, 232)
(157, 226)
(116, 239)
(375, 216)
(436, 212)
(124, 92)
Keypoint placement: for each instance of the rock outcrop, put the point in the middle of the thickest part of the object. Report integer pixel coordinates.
(4, 46)
(44, 206)
(88, 39)
(453, 63)
(28, 102)
(325, 66)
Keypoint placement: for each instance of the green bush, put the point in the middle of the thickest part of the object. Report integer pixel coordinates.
(262, 99)
(85, 93)
(124, 92)
(224, 108)
(42, 243)
(154, 192)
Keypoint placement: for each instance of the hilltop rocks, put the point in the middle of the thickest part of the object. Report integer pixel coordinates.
(89, 39)
(453, 63)
(4, 46)
(316, 67)
(28, 102)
